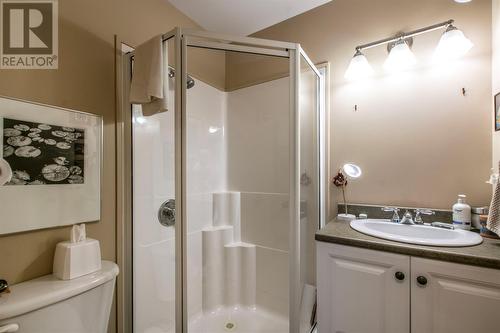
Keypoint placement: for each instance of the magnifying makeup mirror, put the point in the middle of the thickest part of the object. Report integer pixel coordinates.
(348, 171)
(352, 170)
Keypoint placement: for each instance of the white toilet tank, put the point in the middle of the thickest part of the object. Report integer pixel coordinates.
(50, 305)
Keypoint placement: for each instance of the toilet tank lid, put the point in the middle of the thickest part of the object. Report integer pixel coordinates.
(46, 290)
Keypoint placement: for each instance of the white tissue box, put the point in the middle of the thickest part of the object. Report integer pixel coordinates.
(72, 260)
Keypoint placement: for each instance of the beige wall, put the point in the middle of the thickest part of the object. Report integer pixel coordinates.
(245, 70)
(418, 140)
(496, 73)
(84, 81)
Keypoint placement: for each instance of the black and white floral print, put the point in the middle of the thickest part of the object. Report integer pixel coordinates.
(43, 154)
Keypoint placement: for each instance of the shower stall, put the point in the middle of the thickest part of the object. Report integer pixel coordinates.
(226, 189)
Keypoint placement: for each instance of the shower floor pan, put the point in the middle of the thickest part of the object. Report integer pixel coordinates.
(239, 321)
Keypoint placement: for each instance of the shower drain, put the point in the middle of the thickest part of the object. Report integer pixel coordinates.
(229, 326)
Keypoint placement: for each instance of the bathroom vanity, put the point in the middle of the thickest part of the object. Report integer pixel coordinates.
(368, 284)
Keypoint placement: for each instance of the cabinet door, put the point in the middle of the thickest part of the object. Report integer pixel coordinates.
(455, 299)
(358, 291)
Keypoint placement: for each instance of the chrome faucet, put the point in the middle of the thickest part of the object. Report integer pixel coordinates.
(422, 211)
(407, 219)
(395, 216)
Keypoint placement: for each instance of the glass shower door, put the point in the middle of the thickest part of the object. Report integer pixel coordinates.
(309, 106)
(241, 150)
(237, 192)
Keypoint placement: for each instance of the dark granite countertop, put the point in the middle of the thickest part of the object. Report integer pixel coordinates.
(486, 254)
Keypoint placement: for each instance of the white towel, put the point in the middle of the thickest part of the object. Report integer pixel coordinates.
(149, 85)
(493, 223)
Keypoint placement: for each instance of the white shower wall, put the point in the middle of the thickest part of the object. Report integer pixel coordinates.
(236, 141)
(206, 174)
(257, 125)
(153, 245)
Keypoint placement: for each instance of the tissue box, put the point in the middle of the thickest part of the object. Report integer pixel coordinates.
(72, 260)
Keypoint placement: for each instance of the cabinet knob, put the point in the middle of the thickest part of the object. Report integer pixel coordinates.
(422, 280)
(399, 276)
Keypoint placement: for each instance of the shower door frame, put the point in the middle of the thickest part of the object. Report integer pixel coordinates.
(184, 38)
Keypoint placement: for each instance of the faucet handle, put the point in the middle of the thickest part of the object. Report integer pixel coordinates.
(425, 211)
(422, 211)
(395, 216)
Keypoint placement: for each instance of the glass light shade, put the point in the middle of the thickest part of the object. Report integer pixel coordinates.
(352, 170)
(400, 58)
(453, 45)
(358, 68)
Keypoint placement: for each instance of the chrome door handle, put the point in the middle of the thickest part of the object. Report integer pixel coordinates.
(166, 213)
(9, 328)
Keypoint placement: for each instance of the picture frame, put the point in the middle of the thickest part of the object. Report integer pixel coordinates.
(51, 165)
(496, 118)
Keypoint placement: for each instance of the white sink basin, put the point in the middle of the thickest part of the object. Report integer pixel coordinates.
(416, 234)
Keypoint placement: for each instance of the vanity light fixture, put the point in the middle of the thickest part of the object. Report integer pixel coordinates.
(400, 57)
(359, 67)
(453, 44)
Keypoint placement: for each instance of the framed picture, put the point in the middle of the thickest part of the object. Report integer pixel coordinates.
(50, 166)
(497, 112)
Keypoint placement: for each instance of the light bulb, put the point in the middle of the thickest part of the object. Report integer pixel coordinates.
(452, 45)
(358, 68)
(400, 58)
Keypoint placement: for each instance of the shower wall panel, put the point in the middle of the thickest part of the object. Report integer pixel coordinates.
(258, 167)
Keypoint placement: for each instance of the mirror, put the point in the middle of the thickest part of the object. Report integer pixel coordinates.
(416, 153)
(422, 136)
(352, 170)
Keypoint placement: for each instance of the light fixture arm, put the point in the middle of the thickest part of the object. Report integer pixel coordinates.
(404, 36)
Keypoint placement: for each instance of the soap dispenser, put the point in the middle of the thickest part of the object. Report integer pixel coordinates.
(462, 213)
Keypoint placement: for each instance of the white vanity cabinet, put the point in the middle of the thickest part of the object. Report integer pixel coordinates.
(456, 298)
(367, 291)
(358, 290)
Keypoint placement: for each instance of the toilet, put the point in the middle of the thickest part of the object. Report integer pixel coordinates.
(47, 304)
